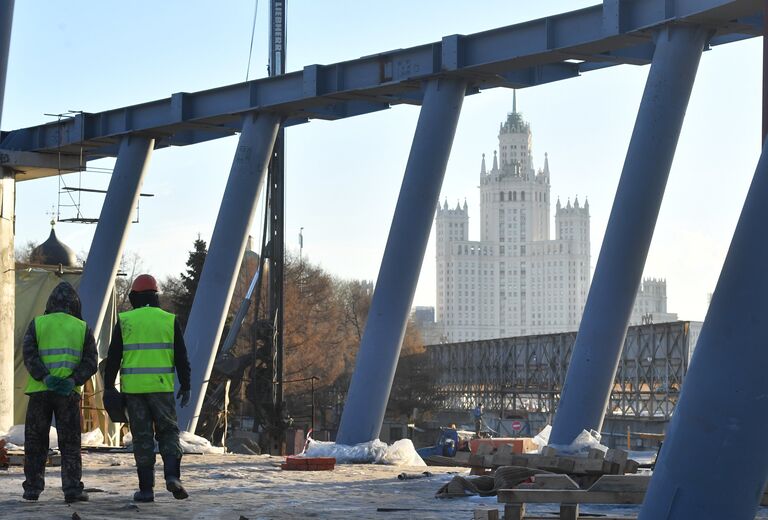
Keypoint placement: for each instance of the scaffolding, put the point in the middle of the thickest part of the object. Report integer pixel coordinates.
(526, 374)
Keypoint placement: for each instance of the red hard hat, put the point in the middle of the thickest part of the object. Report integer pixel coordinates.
(144, 282)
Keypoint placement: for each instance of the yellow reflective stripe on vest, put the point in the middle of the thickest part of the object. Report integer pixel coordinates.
(60, 339)
(148, 338)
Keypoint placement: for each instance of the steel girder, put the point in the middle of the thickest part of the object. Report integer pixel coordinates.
(522, 55)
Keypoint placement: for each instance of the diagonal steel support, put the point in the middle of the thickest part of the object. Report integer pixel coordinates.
(112, 229)
(217, 281)
(714, 463)
(628, 236)
(399, 273)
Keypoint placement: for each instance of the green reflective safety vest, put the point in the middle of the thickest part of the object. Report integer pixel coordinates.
(147, 364)
(60, 339)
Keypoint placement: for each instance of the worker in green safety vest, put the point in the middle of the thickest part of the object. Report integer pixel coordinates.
(147, 348)
(60, 355)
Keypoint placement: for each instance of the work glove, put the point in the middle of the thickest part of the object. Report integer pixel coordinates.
(65, 386)
(52, 382)
(183, 395)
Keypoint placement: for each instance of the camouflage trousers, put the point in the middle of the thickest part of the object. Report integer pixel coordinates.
(43, 406)
(153, 416)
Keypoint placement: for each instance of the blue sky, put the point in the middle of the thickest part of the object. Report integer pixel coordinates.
(343, 177)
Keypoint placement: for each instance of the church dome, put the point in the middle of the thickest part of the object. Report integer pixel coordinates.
(53, 252)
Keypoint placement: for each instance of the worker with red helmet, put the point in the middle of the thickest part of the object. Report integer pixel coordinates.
(147, 347)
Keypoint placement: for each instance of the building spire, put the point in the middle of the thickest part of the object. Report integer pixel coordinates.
(482, 166)
(495, 162)
(514, 101)
(546, 164)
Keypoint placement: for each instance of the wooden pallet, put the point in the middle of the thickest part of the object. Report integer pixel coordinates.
(16, 458)
(586, 469)
(561, 489)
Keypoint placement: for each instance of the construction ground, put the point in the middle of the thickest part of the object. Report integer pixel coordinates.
(241, 487)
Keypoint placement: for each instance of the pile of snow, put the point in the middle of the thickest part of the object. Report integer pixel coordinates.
(581, 445)
(94, 438)
(15, 436)
(190, 443)
(401, 453)
(542, 438)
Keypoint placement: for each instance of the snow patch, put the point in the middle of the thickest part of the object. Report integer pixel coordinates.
(401, 453)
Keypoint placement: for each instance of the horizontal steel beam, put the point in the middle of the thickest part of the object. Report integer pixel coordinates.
(522, 55)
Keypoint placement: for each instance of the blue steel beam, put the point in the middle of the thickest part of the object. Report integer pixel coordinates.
(112, 229)
(6, 23)
(399, 273)
(619, 268)
(217, 280)
(714, 463)
(532, 50)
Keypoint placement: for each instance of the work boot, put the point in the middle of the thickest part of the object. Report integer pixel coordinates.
(146, 484)
(78, 496)
(172, 471)
(31, 495)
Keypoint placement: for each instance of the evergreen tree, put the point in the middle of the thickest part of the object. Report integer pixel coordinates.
(190, 279)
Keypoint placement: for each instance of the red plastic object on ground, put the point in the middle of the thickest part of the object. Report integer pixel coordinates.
(296, 463)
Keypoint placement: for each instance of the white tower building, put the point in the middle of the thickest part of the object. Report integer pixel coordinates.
(517, 280)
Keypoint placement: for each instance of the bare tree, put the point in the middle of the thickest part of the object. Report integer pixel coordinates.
(131, 265)
(23, 253)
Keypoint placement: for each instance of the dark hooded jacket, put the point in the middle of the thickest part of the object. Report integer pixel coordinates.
(63, 298)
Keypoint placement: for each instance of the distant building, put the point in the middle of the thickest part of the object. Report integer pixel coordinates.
(424, 320)
(517, 280)
(53, 252)
(651, 303)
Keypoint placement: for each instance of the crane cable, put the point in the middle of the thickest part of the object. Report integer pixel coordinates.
(253, 32)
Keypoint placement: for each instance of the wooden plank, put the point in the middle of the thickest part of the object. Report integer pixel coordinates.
(586, 466)
(477, 461)
(486, 514)
(485, 449)
(502, 459)
(514, 511)
(554, 481)
(563, 496)
(548, 451)
(505, 449)
(622, 483)
(17, 459)
(569, 511)
(594, 453)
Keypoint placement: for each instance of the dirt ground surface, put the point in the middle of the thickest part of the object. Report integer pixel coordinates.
(242, 486)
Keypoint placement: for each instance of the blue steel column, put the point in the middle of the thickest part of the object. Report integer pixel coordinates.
(628, 236)
(403, 255)
(112, 229)
(6, 24)
(714, 463)
(217, 281)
